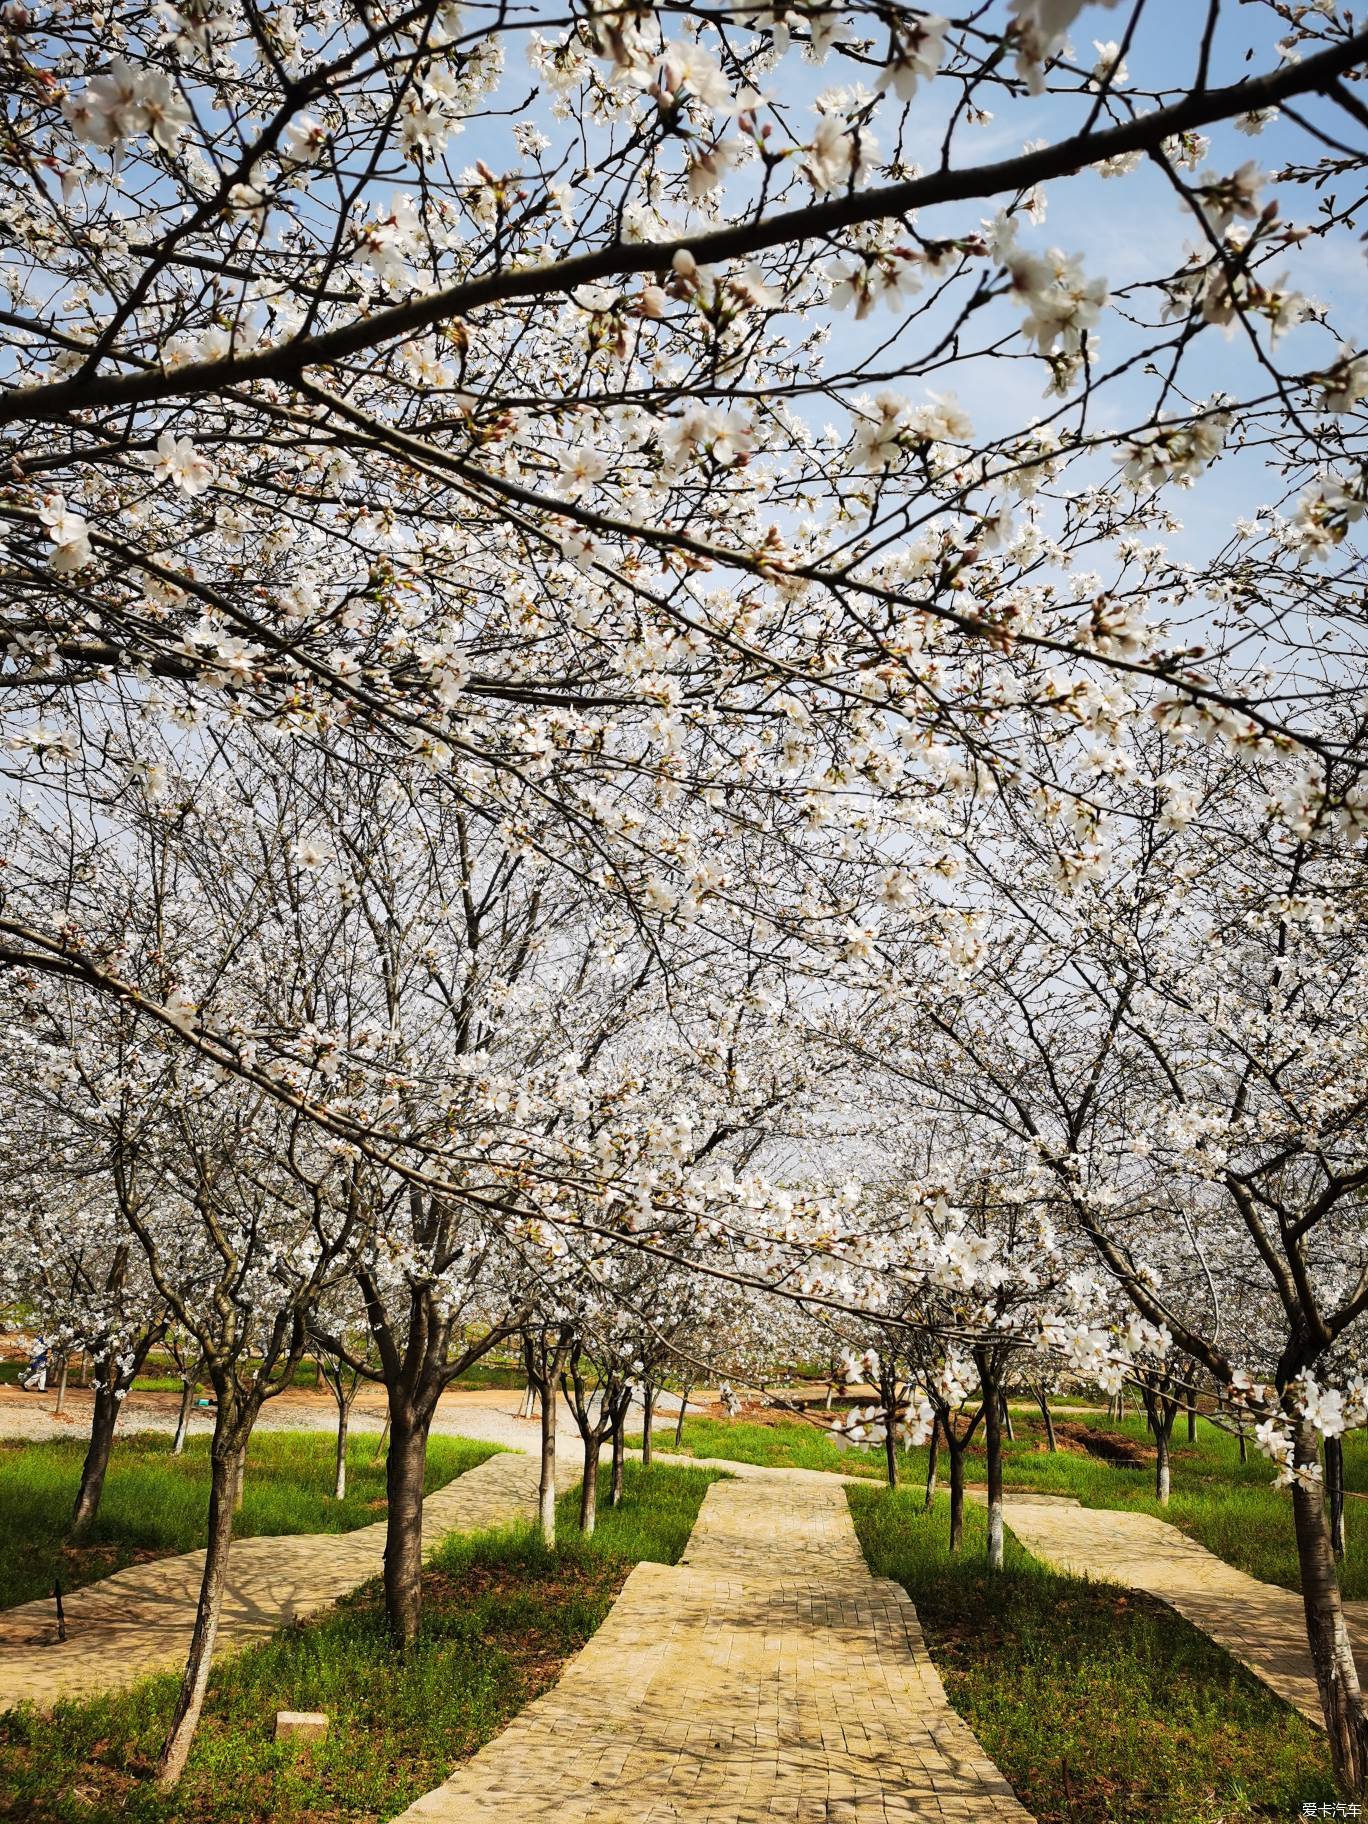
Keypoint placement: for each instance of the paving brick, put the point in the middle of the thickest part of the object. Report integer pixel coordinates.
(766, 1677)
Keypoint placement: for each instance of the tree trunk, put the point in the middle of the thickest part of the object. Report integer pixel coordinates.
(1163, 1429)
(992, 1443)
(61, 1387)
(225, 1473)
(683, 1408)
(103, 1420)
(888, 1394)
(619, 1458)
(932, 1455)
(546, 1484)
(404, 1472)
(1192, 1418)
(648, 1394)
(1007, 1427)
(588, 1512)
(1044, 1400)
(956, 1495)
(1346, 1719)
(183, 1417)
(1334, 1486)
(340, 1465)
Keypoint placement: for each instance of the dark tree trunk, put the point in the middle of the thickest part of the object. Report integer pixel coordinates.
(60, 1407)
(956, 1453)
(104, 1417)
(340, 1461)
(183, 1417)
(405, 1469)
(1160, 1414)
(1334, 1488)
(992, 1443)
(1163, 1430)
(1346, 1719)
(1007, 1427)
(1044, 1401)
(932, 1456)
(679, 1422)
(619, 1458)
(888, 1394)
(588, 1510)
(546, 1482)
(1192, 1418)
(225, 1472)
(648, 1395)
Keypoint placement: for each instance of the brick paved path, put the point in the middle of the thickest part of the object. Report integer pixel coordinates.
(766, 1676)
(1258, 1623)
(140, 1620)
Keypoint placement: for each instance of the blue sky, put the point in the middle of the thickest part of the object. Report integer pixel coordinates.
(1127, 228)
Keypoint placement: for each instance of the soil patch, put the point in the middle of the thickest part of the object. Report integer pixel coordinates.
(1111, 1446)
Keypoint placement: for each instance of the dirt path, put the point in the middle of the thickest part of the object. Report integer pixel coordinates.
(490, 1414)
(139, 1621)
(766, 1676)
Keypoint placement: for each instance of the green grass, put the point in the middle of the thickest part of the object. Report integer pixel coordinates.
(501, 1615)
(790, 1444)
(154, 1503)
(1231, 1508)
(1096, 1703)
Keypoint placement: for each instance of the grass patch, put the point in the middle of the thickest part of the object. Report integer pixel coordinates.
(1097, 1704)
(1229, 1507)
(155, 1504)
(501, 1616)
(783, 1444)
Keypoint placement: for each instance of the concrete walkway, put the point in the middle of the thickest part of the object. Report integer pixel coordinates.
(766, 1676)
(140, 1620)
(1258, 1623)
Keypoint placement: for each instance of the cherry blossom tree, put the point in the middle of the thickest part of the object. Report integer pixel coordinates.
(69, 1257)
(532, 678)
(516, 466)
(1152, 986)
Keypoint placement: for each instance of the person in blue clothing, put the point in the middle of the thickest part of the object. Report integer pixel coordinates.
(34, 1377)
